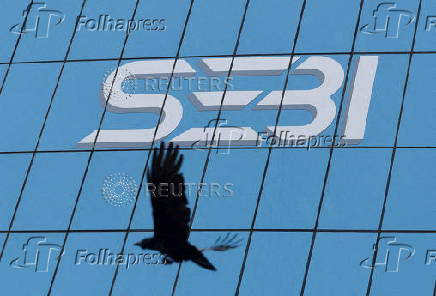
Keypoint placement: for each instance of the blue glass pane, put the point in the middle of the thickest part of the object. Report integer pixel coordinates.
(10, 16)
(409, 204)
(270, 27)
(213, 27)
(417, 124)
(279, 272)
(12, 173)
(24, 104)
(52, 187)
(326, 28)
(335, 265)
(159, 33)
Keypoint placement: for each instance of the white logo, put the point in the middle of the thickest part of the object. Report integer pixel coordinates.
(318, 101)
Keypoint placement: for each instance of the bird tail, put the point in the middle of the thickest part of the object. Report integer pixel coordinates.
(224, 244)
(202, 261)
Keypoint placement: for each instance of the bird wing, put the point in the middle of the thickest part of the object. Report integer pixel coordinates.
(166, 185)
(224, 244)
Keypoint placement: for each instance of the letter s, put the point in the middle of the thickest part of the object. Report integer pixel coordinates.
(172, 112)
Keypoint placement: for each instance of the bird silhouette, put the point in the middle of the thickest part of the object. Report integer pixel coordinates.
(171, 216)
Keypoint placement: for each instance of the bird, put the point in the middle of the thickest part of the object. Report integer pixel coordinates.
(171, 214)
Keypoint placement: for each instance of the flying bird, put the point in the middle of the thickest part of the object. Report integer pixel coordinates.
(171, 216)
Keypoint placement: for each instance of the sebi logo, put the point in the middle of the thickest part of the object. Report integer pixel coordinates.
(317, 101)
